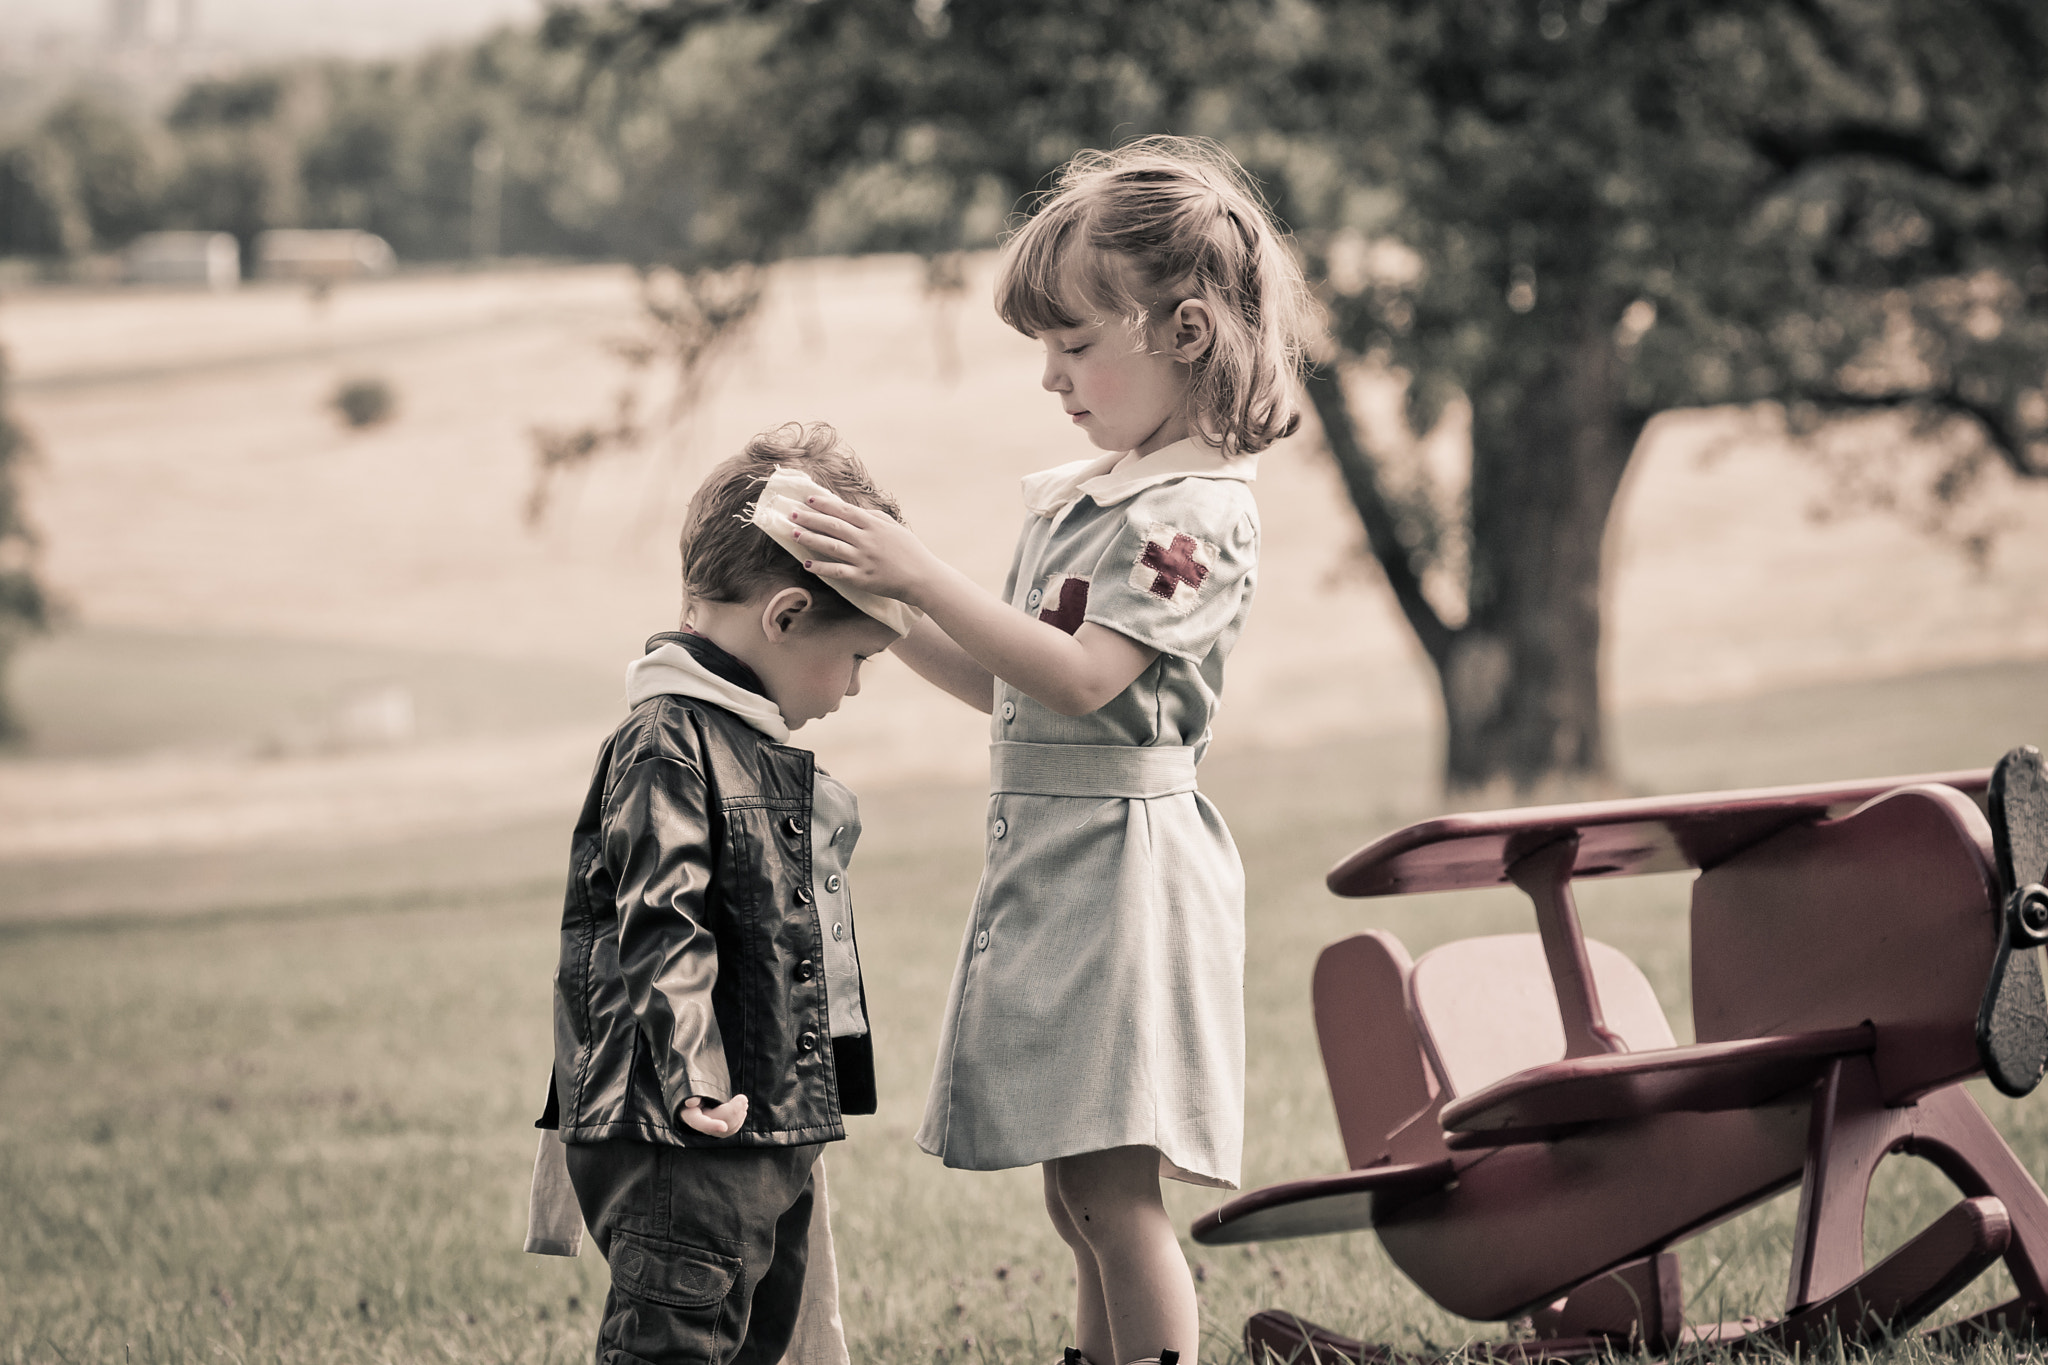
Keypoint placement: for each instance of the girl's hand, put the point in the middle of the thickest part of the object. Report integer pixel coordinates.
(716, 1121)
(863, 549)
(1071, 674)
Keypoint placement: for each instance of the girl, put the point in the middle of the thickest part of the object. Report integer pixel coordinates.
(1096, 1019)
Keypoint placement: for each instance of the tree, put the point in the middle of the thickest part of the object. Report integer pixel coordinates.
(84, 178)
(1560, 220)
(1612, 211)
(236, 168)
(25, 607)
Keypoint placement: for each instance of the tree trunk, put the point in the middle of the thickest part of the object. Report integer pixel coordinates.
(1521, 680)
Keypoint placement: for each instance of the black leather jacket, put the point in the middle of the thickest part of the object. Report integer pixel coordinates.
(691, 962)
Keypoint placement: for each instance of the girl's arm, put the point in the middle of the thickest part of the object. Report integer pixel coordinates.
(933, 656)
(1070, 674)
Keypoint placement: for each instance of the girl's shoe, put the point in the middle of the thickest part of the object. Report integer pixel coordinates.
(1168, 1357)
(1074, 1357)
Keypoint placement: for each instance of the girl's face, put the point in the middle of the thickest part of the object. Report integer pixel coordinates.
(1119, 384)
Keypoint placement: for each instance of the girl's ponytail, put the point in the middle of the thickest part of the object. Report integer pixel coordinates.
(1135, 231)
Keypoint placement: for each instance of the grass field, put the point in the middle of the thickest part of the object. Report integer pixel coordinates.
(300, 1132)
(280, 860)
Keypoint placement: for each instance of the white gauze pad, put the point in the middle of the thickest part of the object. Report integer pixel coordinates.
(784, 492)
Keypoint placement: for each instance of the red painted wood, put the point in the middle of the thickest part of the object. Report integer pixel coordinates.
(1842, 936)
(1378, 1079)
(1616, 838)
(1486, 1007)
(1523, 1225)
(1344, 1202)
(1883, 917)
(1903, 1289)
(1639, 1306)
(1543, 1102)
(1545, 876)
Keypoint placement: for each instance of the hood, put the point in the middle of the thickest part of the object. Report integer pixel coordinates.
(670, 670)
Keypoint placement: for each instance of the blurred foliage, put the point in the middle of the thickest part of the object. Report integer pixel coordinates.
(879, 125)
(391, 147)
(25, 605)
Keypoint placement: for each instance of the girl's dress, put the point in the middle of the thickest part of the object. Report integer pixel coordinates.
(1099, 997)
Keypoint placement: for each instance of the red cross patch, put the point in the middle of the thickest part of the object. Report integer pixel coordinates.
(1172, 566)
(1066, 602)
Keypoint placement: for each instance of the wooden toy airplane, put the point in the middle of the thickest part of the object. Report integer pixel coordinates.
(1528, 1140)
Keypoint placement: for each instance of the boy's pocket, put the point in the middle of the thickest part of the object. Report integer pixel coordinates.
(667, 1302)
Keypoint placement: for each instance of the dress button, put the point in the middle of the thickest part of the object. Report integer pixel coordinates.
(981, 940)
(832, 882)
(1009, 710)
(793, 825)
(807, 1042)
(839, 931)
(805, 971)
(1034, 599)
(837, 835)
(803, 895)
(1002, 827)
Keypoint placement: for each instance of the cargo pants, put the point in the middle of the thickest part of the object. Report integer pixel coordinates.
(707, 1248)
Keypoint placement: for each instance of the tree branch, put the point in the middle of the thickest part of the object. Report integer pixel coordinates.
(1362, 482)
(1792, 152)
(1998, 432)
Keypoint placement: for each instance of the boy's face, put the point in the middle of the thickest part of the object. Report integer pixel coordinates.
(813, 663)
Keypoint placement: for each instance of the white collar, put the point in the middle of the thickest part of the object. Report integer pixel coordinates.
(670, 669)
(1108, 479)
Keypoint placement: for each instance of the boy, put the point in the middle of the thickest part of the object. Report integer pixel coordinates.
(710, 1028)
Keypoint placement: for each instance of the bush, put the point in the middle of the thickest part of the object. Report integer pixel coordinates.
(25, 605)
(364, 402)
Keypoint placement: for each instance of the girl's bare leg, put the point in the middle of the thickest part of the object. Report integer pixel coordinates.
(1112, 1204)
(1091, 1317)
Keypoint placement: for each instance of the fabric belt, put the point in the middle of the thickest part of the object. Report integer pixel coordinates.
(1106, 770)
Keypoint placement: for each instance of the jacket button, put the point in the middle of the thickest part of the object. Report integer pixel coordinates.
(1002, 827)
(981, 940)
(1009, 710)
(839, 931)
(832, 882)
(803, 895)
(805, 971)
(807, 1042)
(793, 825)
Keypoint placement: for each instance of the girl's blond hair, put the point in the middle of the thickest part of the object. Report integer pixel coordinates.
(1133, 232)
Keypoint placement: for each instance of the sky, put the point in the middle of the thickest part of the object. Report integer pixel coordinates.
(351, 27)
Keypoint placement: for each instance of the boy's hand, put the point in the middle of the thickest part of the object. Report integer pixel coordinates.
(862, 548)
(716, 1121)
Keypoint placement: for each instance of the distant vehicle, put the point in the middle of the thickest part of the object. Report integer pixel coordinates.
(211, 259)
(322, 255)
